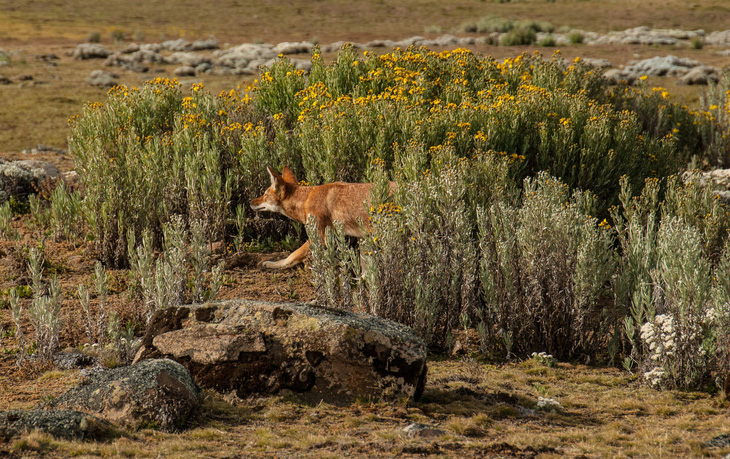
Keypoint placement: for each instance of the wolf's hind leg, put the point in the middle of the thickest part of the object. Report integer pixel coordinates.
(293, 259)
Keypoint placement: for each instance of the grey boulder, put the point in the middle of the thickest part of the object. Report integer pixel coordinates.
(323, 354)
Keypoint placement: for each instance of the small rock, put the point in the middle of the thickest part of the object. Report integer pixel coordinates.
(72, 358)
(417, 430)
(293, 48)
(188, 59)
(21, 178)
(102, 79)
(65, 424)
(40, 148)
(616, 76)
(701, 75)
(158, 393)
(597, 63)
(721, 441)
(205, 67)
(184, 71)
(200, 45)
(90, 51)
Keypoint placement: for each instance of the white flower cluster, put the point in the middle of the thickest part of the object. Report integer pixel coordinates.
(545, 358)
(548, 404)
(660, 335)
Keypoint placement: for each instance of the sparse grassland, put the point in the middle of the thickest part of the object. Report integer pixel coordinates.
(537, 210)
(480, 409)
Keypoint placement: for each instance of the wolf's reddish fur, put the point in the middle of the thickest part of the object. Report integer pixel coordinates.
(342, 202)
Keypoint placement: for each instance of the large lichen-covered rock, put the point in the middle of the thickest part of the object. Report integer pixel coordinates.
(323, 354)
(21, 178)
(69, 425)
(156, 393)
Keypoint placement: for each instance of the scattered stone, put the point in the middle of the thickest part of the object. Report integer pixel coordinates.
(4, 80)
(85, 51)
(21, 178)
(418, 430)
(721, 441)
(205, 67)
(188, 59)
(293, 48)
(689, 71)
(548, 404)
(671, 66)
(177, 45)
(302, 64)
(64, 424)
(646, 36)
(40, 148)
(597, 63)
(200, 45)
(704, 74)
(47, 57)
(153, 393)
(244, 58)
(184, 71)
(719, 180)
(134, 61)
(719, 38)
(102, 79)
(322, 354)
(617, 76)
(70, 359)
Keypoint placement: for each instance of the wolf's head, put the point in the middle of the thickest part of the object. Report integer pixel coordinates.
(281, 187)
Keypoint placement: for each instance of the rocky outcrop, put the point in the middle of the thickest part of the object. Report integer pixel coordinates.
(323, 354)
(102, 79)
(156, 393)
(719, 181)
(90, 51)
(69, 425)
(688, 71)
(21, 178)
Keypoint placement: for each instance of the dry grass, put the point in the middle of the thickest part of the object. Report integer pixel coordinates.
(606, 413)
(246, 20)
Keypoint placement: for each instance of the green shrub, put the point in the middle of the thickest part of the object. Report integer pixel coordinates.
(519, 37)
(549, 40)
(575, 38)
(457, 242)
(715, 116)
(6, 217)
(150, 153)
(671, 282)
(65, 212)
(544, 270)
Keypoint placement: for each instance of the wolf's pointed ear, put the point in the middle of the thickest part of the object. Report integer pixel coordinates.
(276, 179)
(288, 175)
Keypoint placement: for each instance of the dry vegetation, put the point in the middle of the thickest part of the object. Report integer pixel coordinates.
(483, 410)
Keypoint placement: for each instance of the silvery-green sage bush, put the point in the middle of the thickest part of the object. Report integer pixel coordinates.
(545, 269)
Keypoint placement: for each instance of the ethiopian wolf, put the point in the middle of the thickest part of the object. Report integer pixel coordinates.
(333, 202)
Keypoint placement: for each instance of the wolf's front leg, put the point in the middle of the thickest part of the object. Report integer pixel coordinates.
(293, 259)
